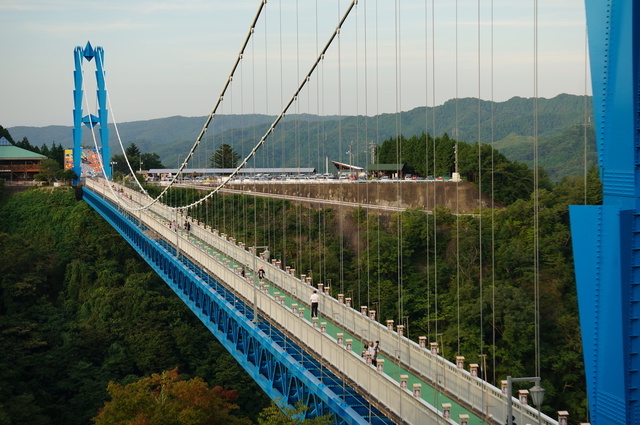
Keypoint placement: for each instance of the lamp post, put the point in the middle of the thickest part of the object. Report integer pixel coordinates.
(405, 321)
(485, 386)
(112, 163)
(537, 395)
(350, 153)
(255, 273)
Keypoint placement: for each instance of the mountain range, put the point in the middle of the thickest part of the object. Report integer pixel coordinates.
(563, 130)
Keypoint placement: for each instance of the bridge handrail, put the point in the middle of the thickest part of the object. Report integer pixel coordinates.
(432, 368)
(377, 385)
(471, 390)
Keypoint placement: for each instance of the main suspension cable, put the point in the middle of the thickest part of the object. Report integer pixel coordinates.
(293, 99)
(209, 119)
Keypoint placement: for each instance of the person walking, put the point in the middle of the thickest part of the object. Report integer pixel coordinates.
(376, 350)
(371, 352)
(261, 273)
(314, 299)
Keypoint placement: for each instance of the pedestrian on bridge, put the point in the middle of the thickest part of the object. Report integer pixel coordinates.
(371, 353)
(314, 300)
(376, 350)
(261, 273)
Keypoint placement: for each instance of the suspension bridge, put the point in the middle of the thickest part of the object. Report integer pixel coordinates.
(266, 323)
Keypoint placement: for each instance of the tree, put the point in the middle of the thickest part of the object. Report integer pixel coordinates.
(25, 144)
(120, 164)
(57, 152)
(151, 160)
(272, 415)
(137, 160)
(134, 156)
(5, 133)
(132, 150)
(225, 157)
(164, 398)
(66, 175)
(44, 150)
(49, 169)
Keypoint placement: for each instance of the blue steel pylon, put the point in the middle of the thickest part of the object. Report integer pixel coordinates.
(606, 238)
(80, 54)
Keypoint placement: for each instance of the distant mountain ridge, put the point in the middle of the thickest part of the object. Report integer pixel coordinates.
(309, 140)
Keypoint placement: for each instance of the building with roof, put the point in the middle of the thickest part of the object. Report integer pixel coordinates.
(386, 170)
(17, 163)
(348, 170)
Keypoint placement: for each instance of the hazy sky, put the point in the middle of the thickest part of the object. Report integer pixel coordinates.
(166, 58)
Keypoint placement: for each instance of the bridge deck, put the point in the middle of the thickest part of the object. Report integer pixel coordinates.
(441, 381)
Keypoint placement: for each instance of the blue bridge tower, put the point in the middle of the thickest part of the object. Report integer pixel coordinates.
(90, 120)
(606, 238)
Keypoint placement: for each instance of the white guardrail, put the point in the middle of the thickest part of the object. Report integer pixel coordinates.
(472, 392)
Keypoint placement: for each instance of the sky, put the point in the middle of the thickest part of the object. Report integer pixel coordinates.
(167, 58)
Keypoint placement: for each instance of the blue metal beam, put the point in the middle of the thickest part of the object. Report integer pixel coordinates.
(283, 370)
(606, 239)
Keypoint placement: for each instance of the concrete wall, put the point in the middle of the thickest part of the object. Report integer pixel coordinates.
(462, 197)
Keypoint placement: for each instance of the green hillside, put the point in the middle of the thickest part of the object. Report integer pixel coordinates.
(79, 308)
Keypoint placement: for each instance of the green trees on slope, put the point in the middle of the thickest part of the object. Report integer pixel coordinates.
(506, 181)
(79, 309)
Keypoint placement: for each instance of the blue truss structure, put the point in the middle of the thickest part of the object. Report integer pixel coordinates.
(281, 367)
(80, 54)
(606, 238)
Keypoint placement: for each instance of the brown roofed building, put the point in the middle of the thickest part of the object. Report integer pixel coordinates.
(17, 163)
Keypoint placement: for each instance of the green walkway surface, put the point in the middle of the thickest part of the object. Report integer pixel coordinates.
(391, 369)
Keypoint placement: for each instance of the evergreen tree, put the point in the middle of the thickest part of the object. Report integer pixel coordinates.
(132, 150)
(137, 159)
(44, 150)
(24, 144)
(57, 152)
(5, 133)
(225, 157)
